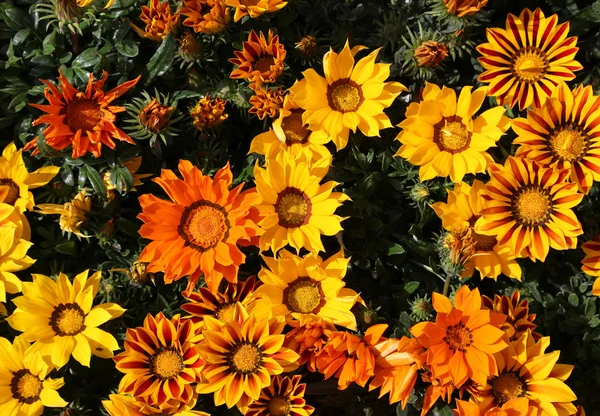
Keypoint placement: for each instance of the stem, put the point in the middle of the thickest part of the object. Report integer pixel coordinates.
(447, 284)
(75, 40)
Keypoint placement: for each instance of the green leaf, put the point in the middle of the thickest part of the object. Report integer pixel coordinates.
(128, 48)
(21, 36)
(590, 308)
(69, 248)
(43, 60)
(574, 299)
(411, 287)
(67, 176)
(87, 58)
(96, 180)
(162, 59)
(16, 19)
(395, 250)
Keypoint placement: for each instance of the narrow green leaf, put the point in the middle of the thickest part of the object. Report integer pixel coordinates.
(96, 181)
(162, 59)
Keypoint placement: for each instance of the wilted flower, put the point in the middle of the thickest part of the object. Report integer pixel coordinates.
(205, 16)
(431, 53)
(152, 117)
(73, 215)
(308, 46)
(266, 102)
(189, 48)
(455, 249)
(159, 21)
(208, 113)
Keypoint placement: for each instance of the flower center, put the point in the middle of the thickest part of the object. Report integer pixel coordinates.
(451, 135)
(166, 363)
(13, 191)
(278, 406)
(506, 387)
(530, 64)
(568, 144)
(249, 2)
(203, 225)
(83, 114)
(532, 206)
(264, 64)
(458, 337)
(67, 319)
(293, 127)
(304, 295)
(225, 312)
(245, 358)
(293, 208)
(344, 95)
(25, 387)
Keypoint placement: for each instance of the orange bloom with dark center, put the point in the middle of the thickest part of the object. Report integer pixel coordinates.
(83, 120)
(205, 16)
(261, 59)
(198, 230)
(208, 113)
(514, 313)
(159, 21)
(267, 102)
(284, 397)
(308, 341)
(462, 8)
(431, 53)
(155, 116)
(461, 342)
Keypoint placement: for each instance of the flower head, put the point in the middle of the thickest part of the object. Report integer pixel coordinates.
(431, 53)
(122, 404)
(151, 117)
(267, 102)
(524, 62)
(285, 396)
(254, 8)
(73, 215)
(159, 20)
(208, 113)
(308, 340)
(205, 16)
(513, 407)
(515, 314)
(462, 8)
(83, 120)
(308, 46)
(58, 316)
(261, 59)
(591, 263)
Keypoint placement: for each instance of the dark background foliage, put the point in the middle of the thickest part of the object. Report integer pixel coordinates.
(390, 234)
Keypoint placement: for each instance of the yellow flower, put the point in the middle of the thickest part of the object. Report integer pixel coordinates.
(16, 181)
(462, 210)
(285, 396)
(441, 135)
(305, 288)
(208, 113)
(289, 133)
(254, 8)
(591, 263)
(25, 387)
(205, 16)
(462, 8)
(123, 405)
(296, 209)
(349, 97)
(73, 215)
(58, 316)
(84, 3)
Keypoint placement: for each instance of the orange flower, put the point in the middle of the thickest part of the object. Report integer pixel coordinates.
(83, 120)
(260, 60)
(159, 21)
(462, 8)
(197, 232)
(461, 342)
(591, 263)
(514, 314)
(205, 16)
(208, 113)
(514, 407)
(436, 390)
(430, 54)
(285, 396)
(349, 358)
(267, 102)
(254, 8)
(308, 340)
(155, 116)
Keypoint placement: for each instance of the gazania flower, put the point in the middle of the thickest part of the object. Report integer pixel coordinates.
(16, 234)
(462, 8)
(308, 46)
(219, 304)
(266, 102)
(437, 389)
(517, 407)
(527, 60)
(16, 181)
(349, 97)
(516, 312)
(132, 165)
(254, 8)
(205, 16)
(198, 230)
(528, 208)
(591, 263)
(285, 396)
(208, 113)
(152, 117)
(295, 208)
(160, 361)
(85, 3)
(441, 135)
(431, 54)
(525, 370)
(308, 340)
(350, 358)
(158, 19)
(261, 59)
(82, 120)
(123, 405)
(242, 355)
(562, 134)
(461, 342)
(289, 133)
(58, 316)
(25, 388)
(462, 211)
(73, 215)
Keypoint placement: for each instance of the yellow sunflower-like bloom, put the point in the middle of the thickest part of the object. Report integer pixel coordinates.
(25, 388)
(525, 61)
(73, 215)
(525, 370)
(564, 133)
(58, 316)
(16, 181)
(242, 355)
(261, 60)
(441, 135)
(289, 133)
(205, 16)
(14, 243)
(254, 8)
(462, 211)
(159, 20)
(305, 288)
(352, 95)
(123, 405)
(285, 396)
(296, 209)
(529, 209)
(591, 263)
